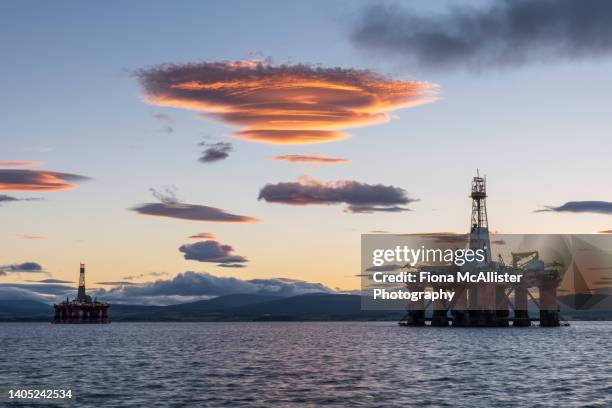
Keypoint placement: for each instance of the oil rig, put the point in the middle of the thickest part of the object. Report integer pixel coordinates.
(490, 304)
(81, 309)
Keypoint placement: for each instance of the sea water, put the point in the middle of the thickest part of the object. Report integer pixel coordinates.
(291, 364)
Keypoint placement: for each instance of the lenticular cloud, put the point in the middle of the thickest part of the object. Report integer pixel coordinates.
(37, 180)
(361, 198)
(282, 104)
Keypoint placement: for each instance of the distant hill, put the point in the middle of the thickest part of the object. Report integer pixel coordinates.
(13, 310)
(249, 307)
(319, 306)
(219, 308)
(224, 302)
(237, 307)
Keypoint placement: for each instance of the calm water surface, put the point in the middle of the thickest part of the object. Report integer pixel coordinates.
(290, 364)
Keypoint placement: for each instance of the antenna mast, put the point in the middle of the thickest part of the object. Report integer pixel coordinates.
(479, 228)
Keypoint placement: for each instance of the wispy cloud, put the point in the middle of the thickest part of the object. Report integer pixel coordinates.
(166, 120)
(157, 274)
(312, 158)
(595, 207)
(232, 265)
(19, 163)
(50, 280)
(10, 199)
(360, 197)
(164, 117)
(115, 283)
(368, 209)
(143, 275)
(495, 34)
(32, 237)
(282, 104)
(203, 235)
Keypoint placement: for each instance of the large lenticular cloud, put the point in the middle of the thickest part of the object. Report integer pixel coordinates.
(284, 104)
(37, 180)
(361, 197)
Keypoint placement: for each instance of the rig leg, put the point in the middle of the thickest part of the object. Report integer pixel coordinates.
(440, 315)
(416, 309)
(521, 314)
(501, 305)
(459, 308)
(415, 318)
(549, 318)
(549, 311)
(439, 318)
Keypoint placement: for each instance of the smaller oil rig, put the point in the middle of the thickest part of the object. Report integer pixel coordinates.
(81, 309)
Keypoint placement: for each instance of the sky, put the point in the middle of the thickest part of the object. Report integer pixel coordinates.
(282, 131)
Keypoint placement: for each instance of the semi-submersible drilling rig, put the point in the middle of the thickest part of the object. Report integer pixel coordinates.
(81, 309)
(489, 304)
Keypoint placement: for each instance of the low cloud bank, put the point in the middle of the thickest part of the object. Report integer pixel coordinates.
(190, 286)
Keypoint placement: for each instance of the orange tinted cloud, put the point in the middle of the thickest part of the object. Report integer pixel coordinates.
(19, 163)
(203, 235)
(37, 180)
(170, 206)
(313, 158)
(284, 104)
(192, 212)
